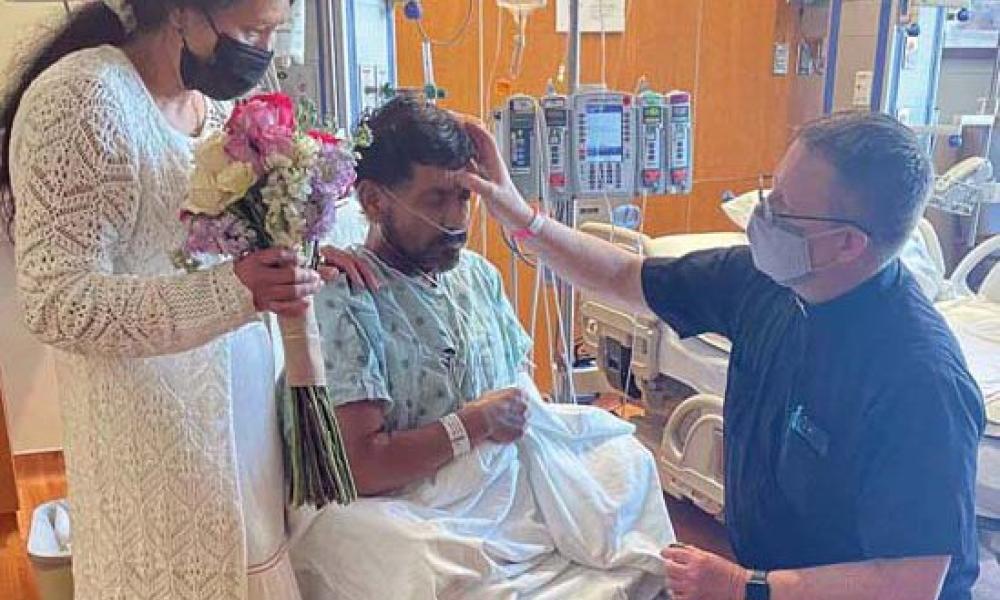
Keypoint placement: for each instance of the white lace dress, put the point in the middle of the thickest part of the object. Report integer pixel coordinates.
(165, 378)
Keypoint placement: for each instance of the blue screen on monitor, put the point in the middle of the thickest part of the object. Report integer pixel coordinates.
(604, 133)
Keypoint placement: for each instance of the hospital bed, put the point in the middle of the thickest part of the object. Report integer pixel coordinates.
(690, 453)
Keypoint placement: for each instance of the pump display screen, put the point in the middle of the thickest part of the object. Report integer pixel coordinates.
(652, 114)
(680, 112)
(604, 133)
(556, 117)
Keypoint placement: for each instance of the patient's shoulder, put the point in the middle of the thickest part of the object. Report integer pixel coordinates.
(337, 302)
(475, 265)
(340, 294)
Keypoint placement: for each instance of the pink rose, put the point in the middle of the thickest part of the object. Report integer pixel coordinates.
(260, 127)
(281, 105)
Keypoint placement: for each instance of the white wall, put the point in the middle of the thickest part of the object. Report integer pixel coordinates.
(28, 382)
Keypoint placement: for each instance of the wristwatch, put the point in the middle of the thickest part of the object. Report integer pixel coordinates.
(757, 587)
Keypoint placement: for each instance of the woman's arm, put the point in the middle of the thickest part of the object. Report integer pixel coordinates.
(75, 176)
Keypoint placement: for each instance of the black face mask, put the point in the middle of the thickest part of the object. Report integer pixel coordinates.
(234, 69)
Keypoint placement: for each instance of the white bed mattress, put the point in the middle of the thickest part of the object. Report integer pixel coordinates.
(976, 323)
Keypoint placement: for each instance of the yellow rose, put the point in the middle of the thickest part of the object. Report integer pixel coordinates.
(235, 181)
(210, 156)
(204, 197)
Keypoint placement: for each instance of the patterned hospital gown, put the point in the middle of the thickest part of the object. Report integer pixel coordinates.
(423, 349)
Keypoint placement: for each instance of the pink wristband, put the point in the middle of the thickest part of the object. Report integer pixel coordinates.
(533, 229)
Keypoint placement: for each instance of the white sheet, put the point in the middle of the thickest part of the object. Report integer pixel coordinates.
(976, 323)
(574, 510)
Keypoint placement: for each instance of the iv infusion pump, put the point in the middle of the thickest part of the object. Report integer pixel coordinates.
(516, 128)
(556, 116)
(663, 124)
(604, 164)
(679, 136)
(597, 144)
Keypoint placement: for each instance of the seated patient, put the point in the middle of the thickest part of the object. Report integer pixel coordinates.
(473, 488)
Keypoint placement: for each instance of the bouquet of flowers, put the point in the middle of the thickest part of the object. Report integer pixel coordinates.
(273, 177)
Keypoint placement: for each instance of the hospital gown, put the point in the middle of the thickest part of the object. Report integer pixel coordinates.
(423, 349)
(573, 510)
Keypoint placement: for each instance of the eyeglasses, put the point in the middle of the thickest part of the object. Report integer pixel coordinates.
(766, 183)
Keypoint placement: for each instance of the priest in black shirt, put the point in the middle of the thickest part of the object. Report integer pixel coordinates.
(851, 420)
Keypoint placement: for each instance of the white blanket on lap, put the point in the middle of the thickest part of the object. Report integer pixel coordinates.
(574, 508)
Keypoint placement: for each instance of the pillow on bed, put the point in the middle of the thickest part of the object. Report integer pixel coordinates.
(915, 254)
(740, 208)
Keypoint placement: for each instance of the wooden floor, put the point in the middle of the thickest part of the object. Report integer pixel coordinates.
(41, 477)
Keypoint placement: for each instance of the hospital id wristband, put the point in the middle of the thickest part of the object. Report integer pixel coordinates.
(533, 229)
(457, 435)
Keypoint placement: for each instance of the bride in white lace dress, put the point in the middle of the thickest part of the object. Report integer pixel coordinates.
(165, 377)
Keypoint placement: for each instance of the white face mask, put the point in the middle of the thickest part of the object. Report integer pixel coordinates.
(781, 252)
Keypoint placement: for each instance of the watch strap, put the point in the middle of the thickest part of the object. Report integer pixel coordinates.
(758, 587)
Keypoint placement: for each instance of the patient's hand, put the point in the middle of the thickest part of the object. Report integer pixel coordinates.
(502, 414)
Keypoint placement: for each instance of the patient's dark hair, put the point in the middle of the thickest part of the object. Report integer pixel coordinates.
(408, 131)
(883, 166)
(89, 26)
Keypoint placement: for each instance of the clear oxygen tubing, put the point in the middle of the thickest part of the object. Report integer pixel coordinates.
(483, 112)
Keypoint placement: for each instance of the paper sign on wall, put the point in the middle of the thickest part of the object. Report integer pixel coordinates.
(595, 16)
(863, 88)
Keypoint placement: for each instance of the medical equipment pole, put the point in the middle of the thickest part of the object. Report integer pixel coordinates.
(573, 53)
(565, 213)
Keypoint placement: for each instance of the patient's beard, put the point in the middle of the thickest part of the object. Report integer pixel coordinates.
(438, 257)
